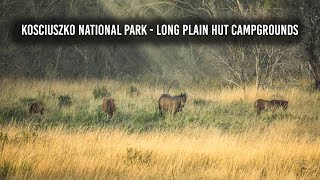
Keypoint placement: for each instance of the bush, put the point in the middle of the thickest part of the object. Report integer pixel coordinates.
(133, 91)
(100, 92)
(64, 100)
(13, 113)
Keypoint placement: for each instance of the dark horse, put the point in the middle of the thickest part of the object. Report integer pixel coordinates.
(262, 104)
(108, 106)
(173, 104)
(36, 107)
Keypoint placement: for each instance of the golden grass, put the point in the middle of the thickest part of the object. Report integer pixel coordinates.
(16, 88)
(273, 152)
(284, 149)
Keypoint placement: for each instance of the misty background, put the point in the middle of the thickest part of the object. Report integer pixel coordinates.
(181, 64)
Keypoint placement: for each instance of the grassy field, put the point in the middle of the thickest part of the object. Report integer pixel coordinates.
(218, 134)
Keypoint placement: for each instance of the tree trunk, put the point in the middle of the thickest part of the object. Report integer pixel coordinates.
(314, 61)
(317, 85)
(313, 49)
(258, 74)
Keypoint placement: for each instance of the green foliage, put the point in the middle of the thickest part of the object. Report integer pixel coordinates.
(85, 118)
(269, 116)
(16, 113)
(140, 121)
(268, 4)
(100, 92)
(64, 100)
(313, 87)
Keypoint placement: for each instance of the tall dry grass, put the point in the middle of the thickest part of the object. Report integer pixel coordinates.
(13, 89)
(271, 152)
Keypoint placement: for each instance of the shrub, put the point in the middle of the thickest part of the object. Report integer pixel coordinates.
(64, 100)
(100, 92)
(15, 113)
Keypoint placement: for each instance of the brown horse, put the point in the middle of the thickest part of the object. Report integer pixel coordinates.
(36, 107)
(173, 104)
(262, 104)
(108, 106)
(274, 104)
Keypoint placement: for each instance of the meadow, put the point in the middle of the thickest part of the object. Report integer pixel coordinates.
(216, 136)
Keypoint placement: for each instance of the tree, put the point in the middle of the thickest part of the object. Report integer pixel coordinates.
(312, 42)
(309, 14)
